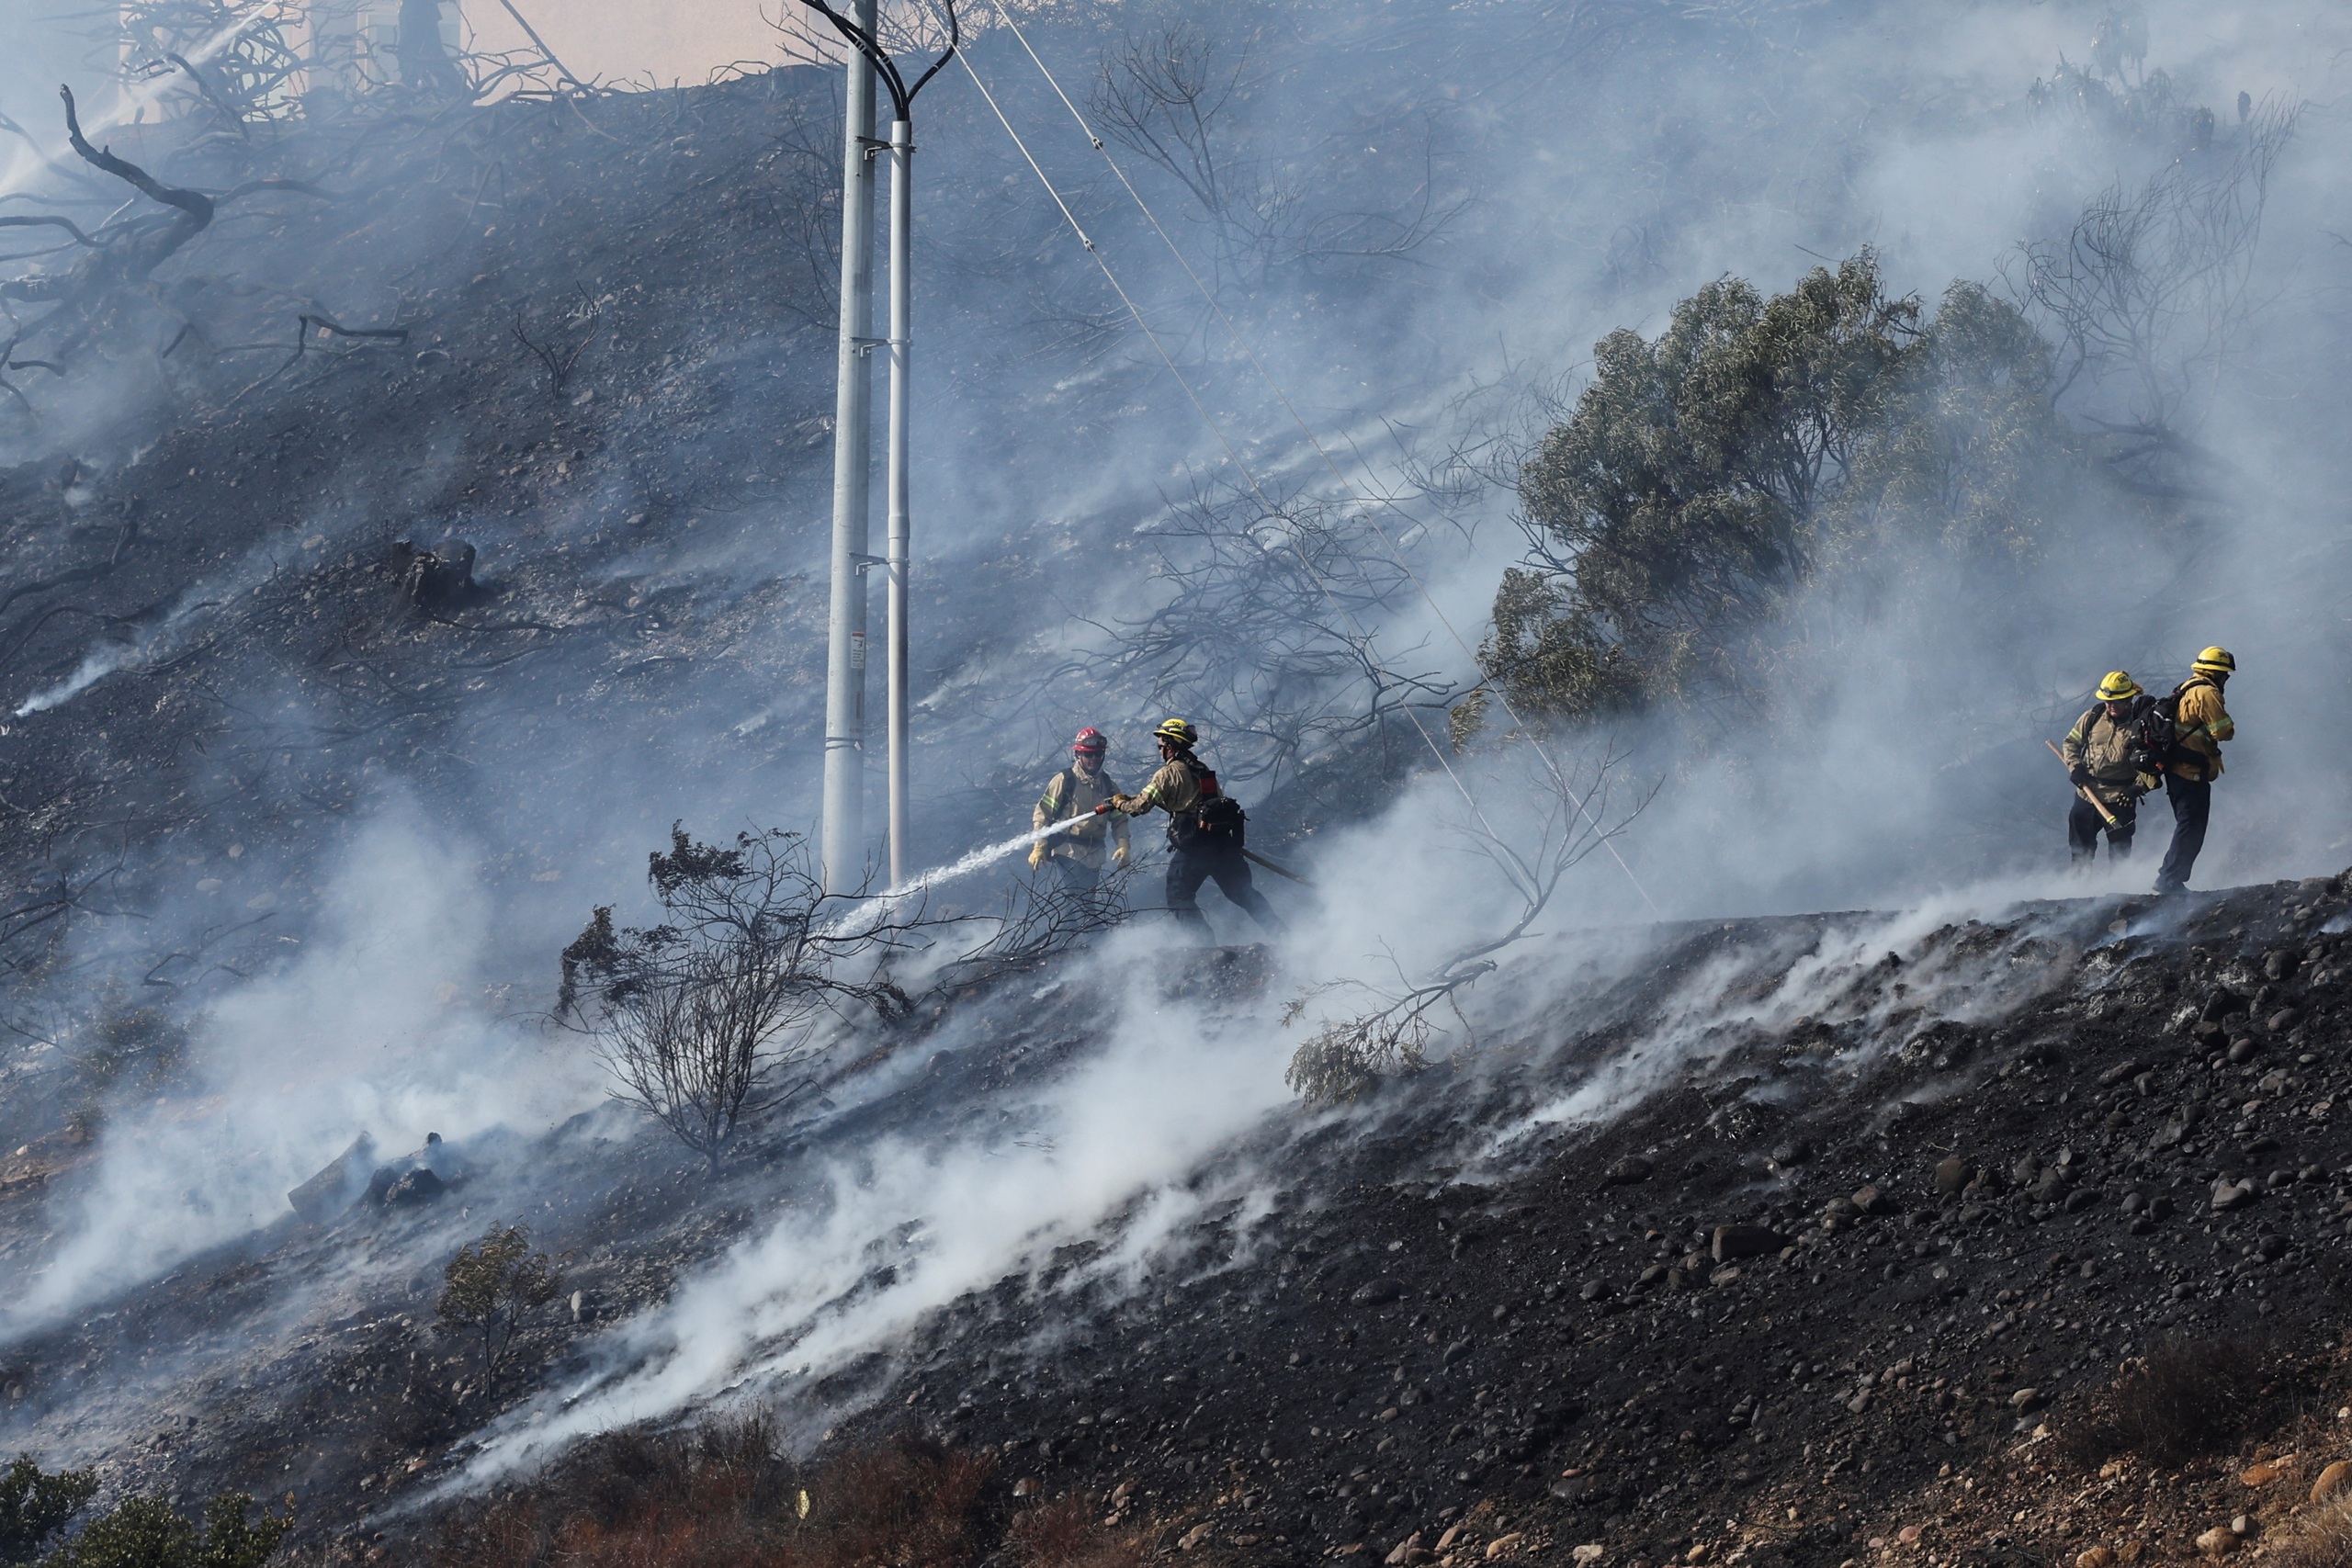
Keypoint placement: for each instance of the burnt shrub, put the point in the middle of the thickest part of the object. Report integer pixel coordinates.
(2185, 1398)
(1065, 1534)
(725, 1496)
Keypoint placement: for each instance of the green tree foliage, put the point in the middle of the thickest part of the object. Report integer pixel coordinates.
(1753, 448)
(35, 1505)
(144, 1533)
(493, 1286)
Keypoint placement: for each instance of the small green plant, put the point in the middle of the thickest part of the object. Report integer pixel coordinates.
(144, 1533)
(493, 1286)
(35, 1505)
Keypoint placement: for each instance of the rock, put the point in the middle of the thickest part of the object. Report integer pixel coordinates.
(2097, 1557)
(2335, 1481)
(1504, 1545)
(1193, 1538)
(1627, 1171)
(416, 1189)
(2281, 964)
(1027, 1486)
(1746, 1241)
(338, 1185)
(1590, 1551)
(2262, 1474)
(1453, 1533)
(2084, 1198)
(2217, 1541)
(2109, 1079)
(1952, 1177)
(1592, 1290)
(2283, 1020)
(1372, 1292)
(2024, 1400)
(1404, 1551)
(2244, 1048)
(1908, 1535)
(1795, 1152)
(2229, 1195)
(1871, 1200)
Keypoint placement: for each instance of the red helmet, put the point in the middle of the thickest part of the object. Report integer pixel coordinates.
(1091, 739)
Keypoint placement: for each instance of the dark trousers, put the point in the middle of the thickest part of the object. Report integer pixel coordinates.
(1075, 874)
(2083, 825)
(2192, 803)
(1188, 868)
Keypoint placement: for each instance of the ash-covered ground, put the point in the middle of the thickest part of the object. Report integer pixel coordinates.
(1780, 1240)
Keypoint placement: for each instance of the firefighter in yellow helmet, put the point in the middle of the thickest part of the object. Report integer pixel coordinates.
(2199, 725)
(1204, 829)
(2107, 753)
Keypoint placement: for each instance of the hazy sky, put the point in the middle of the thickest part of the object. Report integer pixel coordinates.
(677, 41)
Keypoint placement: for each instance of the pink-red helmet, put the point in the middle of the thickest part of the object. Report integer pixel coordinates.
(1091, 739)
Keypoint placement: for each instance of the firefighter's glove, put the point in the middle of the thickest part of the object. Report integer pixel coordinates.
(2079, 777)
(1036, 854)
(1119, 857)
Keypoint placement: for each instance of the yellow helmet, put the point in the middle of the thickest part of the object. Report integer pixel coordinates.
(2118, 687)
(2215, 661)
(1179, 731)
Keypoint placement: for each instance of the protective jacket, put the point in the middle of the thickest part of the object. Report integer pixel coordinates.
(1071, 793)
(2110, 749)
(1175, 789)
(2200, 724)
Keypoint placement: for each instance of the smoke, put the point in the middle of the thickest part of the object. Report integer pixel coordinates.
(1419, 247)
(382, 1023)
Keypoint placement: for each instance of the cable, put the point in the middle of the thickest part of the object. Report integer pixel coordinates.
(1369, 493)
(1216, 429)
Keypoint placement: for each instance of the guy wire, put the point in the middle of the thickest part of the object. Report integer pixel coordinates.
(1371, 494)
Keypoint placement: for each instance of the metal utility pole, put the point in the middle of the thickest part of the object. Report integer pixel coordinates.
(840, 850)
(902, 153)
(860, 31)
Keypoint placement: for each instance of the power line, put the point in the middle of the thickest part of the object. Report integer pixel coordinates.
(1371, 492)
(1217, 429)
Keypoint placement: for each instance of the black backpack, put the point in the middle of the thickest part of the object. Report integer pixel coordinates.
(1214, 819)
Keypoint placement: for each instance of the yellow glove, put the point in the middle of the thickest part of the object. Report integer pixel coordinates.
(1119, 857)
(1036, 854)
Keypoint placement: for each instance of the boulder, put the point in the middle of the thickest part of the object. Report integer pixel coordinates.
(338, 1185)
(1747, 1241)
(1952, 1177)
(415, 1190)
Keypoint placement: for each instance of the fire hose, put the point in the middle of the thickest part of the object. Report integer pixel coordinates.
(2085, 790)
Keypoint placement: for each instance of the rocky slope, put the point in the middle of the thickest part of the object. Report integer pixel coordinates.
(1789, 1241)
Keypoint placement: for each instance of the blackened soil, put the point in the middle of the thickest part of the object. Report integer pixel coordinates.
(1933, 1269)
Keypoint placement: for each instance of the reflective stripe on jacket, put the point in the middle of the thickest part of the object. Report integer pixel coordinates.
(1175, 789)
(2201, 724)
(1071, 793)
(2105, 746)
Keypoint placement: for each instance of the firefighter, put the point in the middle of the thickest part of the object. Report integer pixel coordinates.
(2106, 753)
(1204, 829)
(2199, 724)
(1075, 791)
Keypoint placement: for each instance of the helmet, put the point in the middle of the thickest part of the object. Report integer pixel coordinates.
(1091, 739)
(1178, 730)
(2215, 661)
(2118, 687)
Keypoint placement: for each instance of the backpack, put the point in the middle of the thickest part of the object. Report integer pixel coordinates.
(1213, 821)
(2160, 731)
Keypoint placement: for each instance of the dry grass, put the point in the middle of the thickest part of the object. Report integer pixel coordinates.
(2187, 1398)
(2323, 1540)
(726, 1497)
(1064, 1534)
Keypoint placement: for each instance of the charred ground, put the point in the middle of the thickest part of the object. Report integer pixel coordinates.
(1827, 1278)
